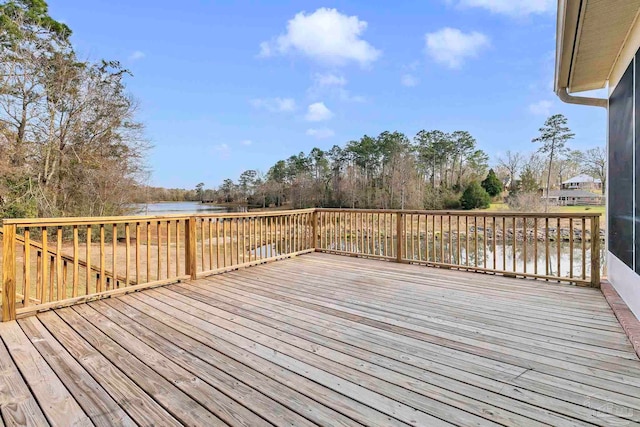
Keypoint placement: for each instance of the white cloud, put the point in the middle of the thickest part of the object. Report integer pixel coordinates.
(326, 36)
(332, 85)
(512, 7)
(409, 80)
(274, 105)
(136, 55)
(320, 133)
(329, 79)
(541, 108)
(246, 142)
(450, 46)
(222, 150)
(318, 112)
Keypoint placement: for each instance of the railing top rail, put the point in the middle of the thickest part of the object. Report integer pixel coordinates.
(509, 214)
(69, 221)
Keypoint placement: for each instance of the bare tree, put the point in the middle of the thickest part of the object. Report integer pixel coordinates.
(594, 163)
(512, 162)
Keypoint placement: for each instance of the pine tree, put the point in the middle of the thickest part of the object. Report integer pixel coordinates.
(492, 184)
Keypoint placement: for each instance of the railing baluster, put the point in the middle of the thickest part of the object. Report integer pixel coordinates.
(27, 267)
(475, 231)
(504, 243)
(76, 265)
(100, 283)
(39, 280)
(148, 278)
(466, 233)
(59, 277)
(177, 247)
(159, 250)
(546, 249)
(210, 230)
(127, 254)
(52, 278)
(558, 243)
(114, 261)
(138, 253)
(484, 241)
(571, 248)
(524, 243)
(201, 223)
(495, 254)
(514, 246)
(595, 252)
(88, 259)
(168, 249)
(584, 248)
(535, 245)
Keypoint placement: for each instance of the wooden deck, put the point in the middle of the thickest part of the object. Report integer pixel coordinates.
(326, 340)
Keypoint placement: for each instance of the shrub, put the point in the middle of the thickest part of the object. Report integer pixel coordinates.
(474, 196)
(492, 184)
(525, 202)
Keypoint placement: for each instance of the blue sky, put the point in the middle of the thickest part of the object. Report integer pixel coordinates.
(226, 86)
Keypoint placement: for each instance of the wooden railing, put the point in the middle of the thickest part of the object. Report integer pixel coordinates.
(551, 246)
(50, 263)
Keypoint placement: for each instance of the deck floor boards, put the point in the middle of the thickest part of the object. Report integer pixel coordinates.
(326, 340)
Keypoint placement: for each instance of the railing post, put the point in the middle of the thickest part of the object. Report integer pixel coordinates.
(9, 273)
(314, 230)
(595, 252)
(190, 261)
(399, 236)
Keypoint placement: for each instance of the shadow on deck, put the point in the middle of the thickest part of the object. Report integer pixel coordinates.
(326, 340)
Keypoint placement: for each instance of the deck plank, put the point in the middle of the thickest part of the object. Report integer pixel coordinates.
(345, 396)
(140, 406)
(326, 340)
(17, 404)
(386, 353)
(481, 402)
(174, 400)
(56, 402)
(93, 399)
(624, 378)
(272, 410)
(413, 351)
(606, 346)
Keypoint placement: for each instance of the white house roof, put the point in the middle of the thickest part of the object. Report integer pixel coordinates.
(582, 178)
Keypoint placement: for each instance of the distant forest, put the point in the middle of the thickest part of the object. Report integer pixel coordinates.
(430, 171)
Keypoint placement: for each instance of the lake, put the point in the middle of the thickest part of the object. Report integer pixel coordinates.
(177, 208)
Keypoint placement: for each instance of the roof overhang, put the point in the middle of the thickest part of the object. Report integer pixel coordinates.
(590, 36)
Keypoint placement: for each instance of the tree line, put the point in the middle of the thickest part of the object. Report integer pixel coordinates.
(431, 170)
(70, 143)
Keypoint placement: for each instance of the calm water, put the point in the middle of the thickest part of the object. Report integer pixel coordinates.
(503, 256)
(171, 208)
